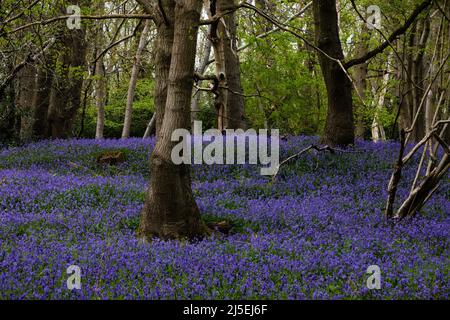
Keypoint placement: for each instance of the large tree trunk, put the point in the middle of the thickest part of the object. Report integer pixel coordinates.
(133, 80)
(195, 105)
(67, 83)
(229, 102)
(41, 102)
(360, 74)
(339, 127)
(24, 100)
(164, 42)
(234, 110)
(170, 211)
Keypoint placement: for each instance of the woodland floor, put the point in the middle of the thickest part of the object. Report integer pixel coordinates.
(310, 234)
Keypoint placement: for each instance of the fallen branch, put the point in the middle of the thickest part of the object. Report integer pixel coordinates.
(318, 148)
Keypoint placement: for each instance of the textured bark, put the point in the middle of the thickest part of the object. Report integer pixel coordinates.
(41, 103)
(418, 76)
(133, 80)
(229, 102)
(234, 109)
(170, 210)
(360, 74)
(65, 94)
(100, 98)
(100, 81)
(164, 42)
(195, 105)
(421, 194)
(26, 84)
(377, 128)
(339, 127)
(219, 55)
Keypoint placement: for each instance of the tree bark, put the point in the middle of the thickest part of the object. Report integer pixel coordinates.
(41, 102)
(377, 128)
(219, 54)
(195, 106)
(150, 126)
(100, 97)
(234, 109)
(339, 127)
(170, 210)
(24, 100)
(418, 75)
(65, 94)
(229, 102)
(133, 80)
(360, 74)
(164, 42)
(421, 194)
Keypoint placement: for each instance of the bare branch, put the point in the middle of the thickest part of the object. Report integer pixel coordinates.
(87, 17)
(418, 10)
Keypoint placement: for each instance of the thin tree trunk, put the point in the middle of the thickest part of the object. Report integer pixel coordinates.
(234, 109)
(150, 126)
(377, 128)
(100, 96)
(221, 74)
(170, 211)
(261, 106)
(418, 74)
(133, 80)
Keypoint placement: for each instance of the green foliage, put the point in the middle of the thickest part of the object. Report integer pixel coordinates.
(288, 78)
(143, 107)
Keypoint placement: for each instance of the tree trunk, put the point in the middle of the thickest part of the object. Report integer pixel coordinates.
(377, 128)
(164, 42)
(195, 107)
(360, 74)
(418, 75)
(234, 109)
(339, 127)
(100, 97)
(421, 194)
(24, 100)
(41, 102)
(229, 102)
(150, 126)
(133, 80)
(170, 211)
(67, 83)
(219, 55)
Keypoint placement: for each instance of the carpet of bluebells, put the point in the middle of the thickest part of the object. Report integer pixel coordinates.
(310, 234)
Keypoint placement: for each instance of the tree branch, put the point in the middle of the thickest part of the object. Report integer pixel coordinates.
(421, 7)
(99, 17)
